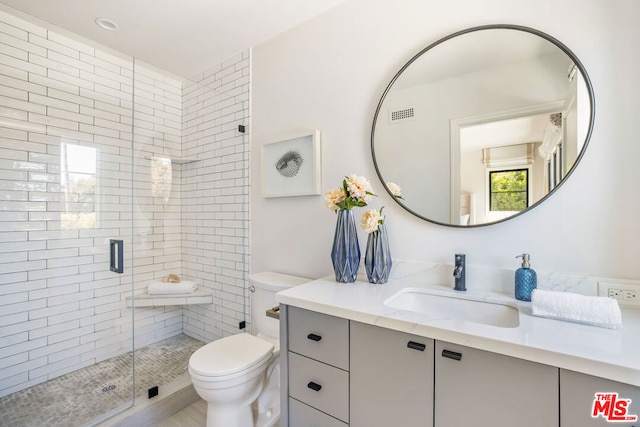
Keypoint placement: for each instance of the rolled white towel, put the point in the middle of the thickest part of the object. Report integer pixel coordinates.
(597, 311)
(165, 288)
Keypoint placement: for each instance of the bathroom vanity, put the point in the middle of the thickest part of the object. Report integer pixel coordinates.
(352, 358)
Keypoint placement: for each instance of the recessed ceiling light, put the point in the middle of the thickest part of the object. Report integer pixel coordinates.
(107, 24)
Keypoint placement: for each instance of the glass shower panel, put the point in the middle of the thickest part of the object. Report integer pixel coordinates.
(65, 193)
(190, 222)
(215, 193)
(161, 350)
(97, 147)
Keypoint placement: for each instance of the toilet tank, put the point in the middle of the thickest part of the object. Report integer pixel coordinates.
(263, 297)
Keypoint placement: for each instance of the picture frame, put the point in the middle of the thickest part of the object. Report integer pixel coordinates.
(291, 166)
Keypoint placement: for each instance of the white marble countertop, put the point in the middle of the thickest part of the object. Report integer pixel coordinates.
(609, 353)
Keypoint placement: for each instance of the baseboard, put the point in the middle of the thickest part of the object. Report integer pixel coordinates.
(172, 399)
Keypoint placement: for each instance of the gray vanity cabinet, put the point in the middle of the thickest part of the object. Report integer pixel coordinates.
(484, 389)
(340, 373)
(577, 395)
(391, 378)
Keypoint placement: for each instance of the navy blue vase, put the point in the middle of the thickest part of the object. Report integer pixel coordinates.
(377, 258)
(345, 253)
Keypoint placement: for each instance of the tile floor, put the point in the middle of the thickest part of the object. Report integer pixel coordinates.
(194, 415)
(77, 398)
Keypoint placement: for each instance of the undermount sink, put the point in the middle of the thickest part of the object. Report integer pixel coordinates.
(460, 307)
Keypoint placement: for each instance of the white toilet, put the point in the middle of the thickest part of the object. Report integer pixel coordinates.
(238, 376)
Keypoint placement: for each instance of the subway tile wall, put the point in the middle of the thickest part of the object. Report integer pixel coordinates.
(84, 138)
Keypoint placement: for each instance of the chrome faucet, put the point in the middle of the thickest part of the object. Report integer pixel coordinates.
(459, 273)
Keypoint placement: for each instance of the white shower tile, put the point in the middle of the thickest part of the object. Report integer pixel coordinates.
(22, 367)
(20, 344)
(55, 369)
(15, 93)
(28, 326)
(49, 349)
(10, 299)
(22, 226)
(108, 80)
(64, 262)
(61, 103)
(12, 30)
(67, 67)
(99, 319)
(107, 303)
(46, 273)
(9, 50)
(11, 278)
(17, 108)
(53, 310)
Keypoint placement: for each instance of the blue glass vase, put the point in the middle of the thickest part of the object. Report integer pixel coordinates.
(345, 253)
(377, 258)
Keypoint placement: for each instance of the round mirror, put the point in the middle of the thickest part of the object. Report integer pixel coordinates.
(483, 125)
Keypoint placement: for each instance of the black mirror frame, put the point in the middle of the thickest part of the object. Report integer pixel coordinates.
(541, 34)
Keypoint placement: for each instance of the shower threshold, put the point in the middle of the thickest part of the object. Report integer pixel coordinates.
(83, 396)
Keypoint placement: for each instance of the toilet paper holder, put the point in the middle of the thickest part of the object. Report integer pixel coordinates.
(274, 312)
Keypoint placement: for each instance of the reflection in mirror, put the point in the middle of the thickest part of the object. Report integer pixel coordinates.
(483, 125)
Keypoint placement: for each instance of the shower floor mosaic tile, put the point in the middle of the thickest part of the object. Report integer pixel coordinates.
(77, 398)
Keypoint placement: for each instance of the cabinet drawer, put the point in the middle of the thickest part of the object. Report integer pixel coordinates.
(318, 385)
(301, 415)
(319, 336)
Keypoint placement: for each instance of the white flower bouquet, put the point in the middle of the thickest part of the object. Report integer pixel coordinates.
(355, 191)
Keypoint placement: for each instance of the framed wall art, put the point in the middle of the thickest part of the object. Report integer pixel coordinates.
(291, 167)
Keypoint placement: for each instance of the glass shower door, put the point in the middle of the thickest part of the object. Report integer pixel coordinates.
(66, 173)
(93, 148)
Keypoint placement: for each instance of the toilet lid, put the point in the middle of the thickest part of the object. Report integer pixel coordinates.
(230, 355)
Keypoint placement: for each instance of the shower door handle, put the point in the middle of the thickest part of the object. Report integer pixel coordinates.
(116, 261)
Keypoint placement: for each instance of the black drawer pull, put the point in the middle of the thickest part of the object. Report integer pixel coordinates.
(314, 337)
(451, 355)
(314, 386)
(416, 346)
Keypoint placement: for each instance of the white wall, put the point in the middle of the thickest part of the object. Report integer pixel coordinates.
(329, 74)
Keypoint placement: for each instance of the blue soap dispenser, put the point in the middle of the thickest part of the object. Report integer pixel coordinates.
(526, 279)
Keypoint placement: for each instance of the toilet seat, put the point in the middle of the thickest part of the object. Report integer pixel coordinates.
(230, 357)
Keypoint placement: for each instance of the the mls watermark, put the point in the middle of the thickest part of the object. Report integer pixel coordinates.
(612, 408)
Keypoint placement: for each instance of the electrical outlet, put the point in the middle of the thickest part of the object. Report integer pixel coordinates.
(615, 293)
(627, 294)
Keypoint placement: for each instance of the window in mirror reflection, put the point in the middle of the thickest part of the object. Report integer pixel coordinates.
(78, 186)
(555, 170)
(509, 190)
